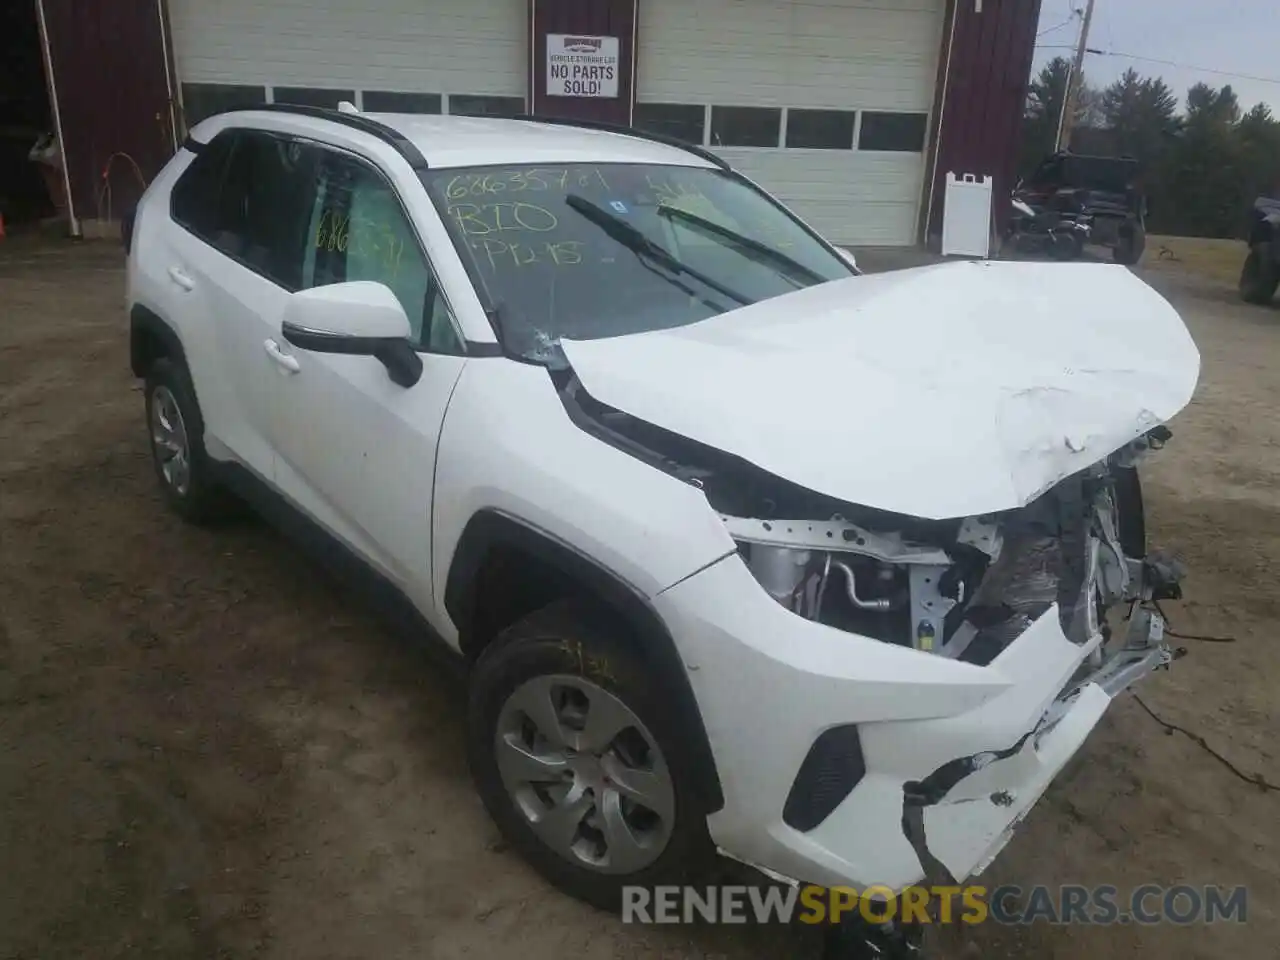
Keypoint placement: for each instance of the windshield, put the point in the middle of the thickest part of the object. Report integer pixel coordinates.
(583, 251)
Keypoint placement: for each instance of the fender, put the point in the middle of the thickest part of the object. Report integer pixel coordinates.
(488, 529)
(146, 330)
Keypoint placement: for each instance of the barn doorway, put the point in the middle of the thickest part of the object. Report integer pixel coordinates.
(30, 191)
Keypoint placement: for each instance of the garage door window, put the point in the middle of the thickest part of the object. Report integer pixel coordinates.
(390, 101)
(472, 105)
(312, 96)
(201, 100)
(745, 126)
(684, 121)
(899, 132)
(820, 129)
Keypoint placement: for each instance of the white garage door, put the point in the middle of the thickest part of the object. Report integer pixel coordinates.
(429, 56)
(824, 102)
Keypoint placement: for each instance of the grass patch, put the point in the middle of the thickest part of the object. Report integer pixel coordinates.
(1218, 260)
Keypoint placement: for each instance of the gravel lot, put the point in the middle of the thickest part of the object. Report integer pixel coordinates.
(206, 750)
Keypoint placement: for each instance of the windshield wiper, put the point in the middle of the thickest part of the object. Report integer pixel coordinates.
(753, 249)
(641, 245)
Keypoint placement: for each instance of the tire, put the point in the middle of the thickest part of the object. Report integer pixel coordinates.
(562, 654)
(1131, 247)
(192, 493)
(1260, 276)
(1066, 246)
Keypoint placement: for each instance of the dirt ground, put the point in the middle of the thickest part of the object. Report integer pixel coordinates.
(208, 751)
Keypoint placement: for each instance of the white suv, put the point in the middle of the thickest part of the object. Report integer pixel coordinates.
(741, 549)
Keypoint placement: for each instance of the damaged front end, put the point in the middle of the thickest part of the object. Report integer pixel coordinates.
(1036, 616)
(964, 588)
(968, 588)
(941, 578)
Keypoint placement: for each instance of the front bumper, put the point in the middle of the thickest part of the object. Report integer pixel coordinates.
(955, 754)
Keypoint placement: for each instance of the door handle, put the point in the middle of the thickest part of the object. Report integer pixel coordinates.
(180, 277)
(283, 360)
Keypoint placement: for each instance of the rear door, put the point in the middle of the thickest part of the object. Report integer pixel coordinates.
(242, 210)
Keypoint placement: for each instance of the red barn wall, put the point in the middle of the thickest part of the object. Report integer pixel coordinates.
(984, 70)
(110, 64)
(608, 18)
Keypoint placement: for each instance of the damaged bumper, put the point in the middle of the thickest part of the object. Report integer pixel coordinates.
(878, 764)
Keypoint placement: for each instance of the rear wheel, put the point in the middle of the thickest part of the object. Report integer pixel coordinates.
(1066, 245)
(1260, 277)
(176, 430)
(576, 758)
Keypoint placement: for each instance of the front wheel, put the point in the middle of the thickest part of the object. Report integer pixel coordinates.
(577, 759)
(1259, 278)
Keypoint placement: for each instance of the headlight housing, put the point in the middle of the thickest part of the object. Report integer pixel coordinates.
(876, 584)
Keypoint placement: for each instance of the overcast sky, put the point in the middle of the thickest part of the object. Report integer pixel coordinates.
(1239, 36)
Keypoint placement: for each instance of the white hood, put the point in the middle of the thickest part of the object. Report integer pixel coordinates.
(944, 391)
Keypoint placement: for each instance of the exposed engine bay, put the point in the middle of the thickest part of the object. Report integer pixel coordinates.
(962, 588)
(966, 589)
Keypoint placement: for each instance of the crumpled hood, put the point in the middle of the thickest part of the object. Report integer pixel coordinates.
(945, 391)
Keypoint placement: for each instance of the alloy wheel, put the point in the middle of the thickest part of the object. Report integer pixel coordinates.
(169, 440)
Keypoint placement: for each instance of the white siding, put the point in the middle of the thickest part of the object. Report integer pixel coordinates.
(428, 46)
(835, 54)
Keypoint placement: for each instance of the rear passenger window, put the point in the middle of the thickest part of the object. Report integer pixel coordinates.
(359, 231)
(249, 194)
(195, 198)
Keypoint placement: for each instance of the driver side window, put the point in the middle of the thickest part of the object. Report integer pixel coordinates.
(359, 231)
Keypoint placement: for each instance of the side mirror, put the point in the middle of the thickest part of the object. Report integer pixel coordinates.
(359, 318)
(848, 257)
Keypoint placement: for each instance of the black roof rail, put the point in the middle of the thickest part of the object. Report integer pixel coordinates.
(357, 121)
(604, 127)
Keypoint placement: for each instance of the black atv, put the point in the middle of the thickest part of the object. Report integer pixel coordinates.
(1100, 191)
(1261, 273)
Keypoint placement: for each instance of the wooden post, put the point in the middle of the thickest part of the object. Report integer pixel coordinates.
(1068, 118)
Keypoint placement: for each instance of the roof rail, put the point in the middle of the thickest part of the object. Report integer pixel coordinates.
(662, 138)
(357, 121)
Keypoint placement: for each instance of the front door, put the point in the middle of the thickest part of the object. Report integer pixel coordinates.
(354, 450)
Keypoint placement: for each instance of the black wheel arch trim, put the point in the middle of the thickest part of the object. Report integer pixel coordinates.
(146, 325)
(489, 528)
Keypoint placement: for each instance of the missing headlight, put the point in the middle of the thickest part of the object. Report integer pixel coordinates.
(874, 584)
(966, 590)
